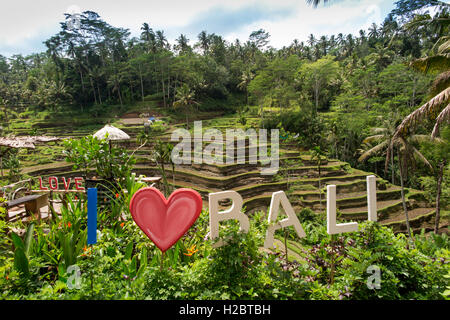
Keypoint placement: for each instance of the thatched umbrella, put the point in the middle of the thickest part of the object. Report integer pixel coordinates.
(111, 133)
(27, 142)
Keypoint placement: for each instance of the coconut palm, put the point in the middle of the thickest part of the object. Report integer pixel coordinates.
(382, 137)
(407, 154)
(184, 98)
(203, 41)
(438, 107)
(315, 3)
(161, 155)
(317, 155)
(246, 77)
(114, 83)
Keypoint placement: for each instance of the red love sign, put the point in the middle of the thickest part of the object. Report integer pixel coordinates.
(165, 221)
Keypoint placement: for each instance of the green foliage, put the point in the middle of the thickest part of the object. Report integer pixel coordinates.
(309, 128)
(12, 163)
(108, 161)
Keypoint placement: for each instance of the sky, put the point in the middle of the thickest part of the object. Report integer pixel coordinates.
(24, 25)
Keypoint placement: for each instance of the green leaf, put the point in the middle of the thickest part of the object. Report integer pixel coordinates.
(21, 262)
(29, 238)
(133, 267)
(17, 241)
(144, 257)
(129, 251)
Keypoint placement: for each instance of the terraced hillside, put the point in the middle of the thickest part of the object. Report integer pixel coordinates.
(298, 176)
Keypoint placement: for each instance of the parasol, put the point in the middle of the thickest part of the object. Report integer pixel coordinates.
(109, 133)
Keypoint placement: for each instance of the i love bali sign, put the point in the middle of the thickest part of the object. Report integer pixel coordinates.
(165, 221)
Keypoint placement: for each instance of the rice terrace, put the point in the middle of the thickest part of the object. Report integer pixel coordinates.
(139, 166)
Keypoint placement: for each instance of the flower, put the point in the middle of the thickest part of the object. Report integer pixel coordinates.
(69, 224)
(191, 251)
(122, 224)
(117, 195)
(7, 277)
(87, 251)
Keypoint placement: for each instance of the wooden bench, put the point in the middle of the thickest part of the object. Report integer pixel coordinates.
(33, 203)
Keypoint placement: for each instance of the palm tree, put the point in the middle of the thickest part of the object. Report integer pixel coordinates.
(162, 155)
(204, 41)
(438, 105)
(317, 155)
(184, 98)
(161, 39)
(311, 40)
(406, 154)
(382, 136)
(246, 77)
(182, 45)
(114, 83)
(323, 44)
(315, 3)
(373, 31)
(148, 36)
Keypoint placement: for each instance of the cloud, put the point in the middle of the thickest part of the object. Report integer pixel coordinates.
(24, 25)
(223, 21)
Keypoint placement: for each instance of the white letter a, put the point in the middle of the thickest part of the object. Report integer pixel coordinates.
(291, 220)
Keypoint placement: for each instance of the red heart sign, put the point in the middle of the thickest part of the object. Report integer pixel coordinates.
(165, 221)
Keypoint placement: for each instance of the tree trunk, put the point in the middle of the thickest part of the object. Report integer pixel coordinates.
(82, 82)
(320, 192)
(438, 196)
(99, 96)
(142, 83)
(131, 89)
(93, 89)
(120, 96)
(163, 91)
(392, 166)
(168, 84)
(317, 97)
(403, 196)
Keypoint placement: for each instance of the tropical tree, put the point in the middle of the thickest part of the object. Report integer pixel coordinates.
(438, 107)
(184, 98)
(162, 154)
(246, 77)
(438, 151)
(382, 137)
(203, 41)
(317, 155)
(317, 76)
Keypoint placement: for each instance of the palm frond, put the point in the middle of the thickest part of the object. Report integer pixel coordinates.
(443, 116)
(371, 139)
(369, 153)
(422, 158)
(441, 82)
(315, 3)
(444, 48)
(438, 63)
(379, 130)
(427, 110)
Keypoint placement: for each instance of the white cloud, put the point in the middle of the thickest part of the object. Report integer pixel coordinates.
(22, 21)
(343, 17)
